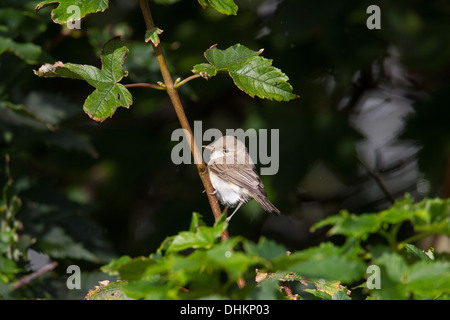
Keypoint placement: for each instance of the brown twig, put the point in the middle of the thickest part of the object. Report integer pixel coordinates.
(145, 85)
(180, 83)
(28, 278)
(176, 101)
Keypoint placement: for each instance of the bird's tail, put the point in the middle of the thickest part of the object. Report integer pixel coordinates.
(267, 205)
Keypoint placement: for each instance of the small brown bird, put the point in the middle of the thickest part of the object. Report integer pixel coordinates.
(233, 175)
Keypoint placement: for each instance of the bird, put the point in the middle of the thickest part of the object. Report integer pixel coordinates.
(233, 175)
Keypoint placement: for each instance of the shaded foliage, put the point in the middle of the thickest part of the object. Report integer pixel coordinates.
(371, 124)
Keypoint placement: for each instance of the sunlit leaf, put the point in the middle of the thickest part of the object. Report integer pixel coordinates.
(107, 291)
(66, 9)
(326, 261)
(153, 36)
(228, 7)
(109, 93)
(251, 72)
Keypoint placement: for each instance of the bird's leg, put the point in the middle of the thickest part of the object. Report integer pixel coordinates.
(211, 193)
(238, 206)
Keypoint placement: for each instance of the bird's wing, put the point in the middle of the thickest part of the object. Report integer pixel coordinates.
(242, 175)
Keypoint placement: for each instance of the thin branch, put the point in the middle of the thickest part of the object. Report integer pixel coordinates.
(415, 237)
(176, 101)
(28, 278)
(378, 180)
(180, 83)
(146, 85)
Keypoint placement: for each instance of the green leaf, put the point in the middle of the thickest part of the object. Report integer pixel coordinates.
(417, 252)
(203, 238)
(196, 222)
(235, 263)
(112, 268)
(395, 266)
(59, 245)
(357, 226)
(319, 294)
(251, 73)
(341, 295)
(431, 279)
(267, 249)
(66, 9)
(149, 290)
(205, 70)
(231, 58)
(326, 261)
(199, 236)
(223, 6)
(268, 289)
(28, 52)
(136, 268)
(430, 216)
(153, 36)
(258, 78)
(108, 291)
(109, 94)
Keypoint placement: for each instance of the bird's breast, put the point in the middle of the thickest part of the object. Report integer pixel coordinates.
(228, 193)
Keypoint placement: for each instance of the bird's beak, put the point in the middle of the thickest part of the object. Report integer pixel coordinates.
(208, 147)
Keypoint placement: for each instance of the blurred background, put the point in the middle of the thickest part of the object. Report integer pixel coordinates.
(372, 123)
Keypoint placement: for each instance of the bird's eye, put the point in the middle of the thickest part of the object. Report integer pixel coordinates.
(226, 150)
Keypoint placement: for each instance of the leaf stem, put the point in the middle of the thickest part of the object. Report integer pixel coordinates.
(415, 237)
(26, 279)
(171, 90)
(194, 76)
(147, 85)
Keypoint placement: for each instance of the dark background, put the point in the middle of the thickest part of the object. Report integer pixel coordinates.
(372, 122)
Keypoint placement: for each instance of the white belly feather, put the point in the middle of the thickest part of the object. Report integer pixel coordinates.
(228, 194)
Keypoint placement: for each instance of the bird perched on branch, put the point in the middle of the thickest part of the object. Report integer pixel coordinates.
(233, 175)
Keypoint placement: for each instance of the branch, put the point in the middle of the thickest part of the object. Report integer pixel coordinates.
(146, 85)
(180, 83)
(378, 181)
(176, 101)
(28, 278)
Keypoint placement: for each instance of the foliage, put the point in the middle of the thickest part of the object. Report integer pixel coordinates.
(250, 72)
(78, 192)
(109, 94)
(196, 264)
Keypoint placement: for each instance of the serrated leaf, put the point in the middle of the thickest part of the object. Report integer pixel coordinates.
(265, 248)
(357, 226)
(231, 58)
(429, 215)
(65, 9)
(112, 268)
(257, 77)
(395, 266)
(223, 6)
(109, 94)
(341, 295)
(417, 252)
(251, 73)
(58, 244)
(318, 294)
(199, 236)
(429, 278)
(233, 262)
(205, 70)
(153, 36)
(107, 291)
(326, 261)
